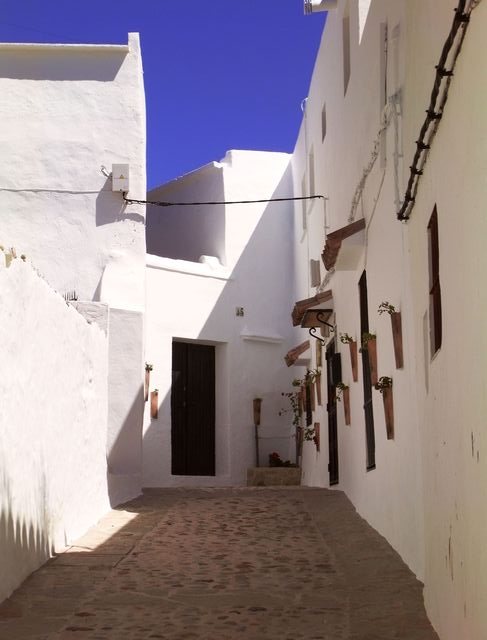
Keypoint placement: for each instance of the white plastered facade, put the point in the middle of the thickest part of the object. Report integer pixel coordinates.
(425, 494)
(67, 111)
(250, 266)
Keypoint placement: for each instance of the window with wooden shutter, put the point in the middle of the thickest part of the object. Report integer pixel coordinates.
(434, 284)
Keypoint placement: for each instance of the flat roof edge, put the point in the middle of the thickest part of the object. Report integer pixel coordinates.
(89, 48)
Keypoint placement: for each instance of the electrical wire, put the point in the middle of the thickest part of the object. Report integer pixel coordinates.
(189, 204)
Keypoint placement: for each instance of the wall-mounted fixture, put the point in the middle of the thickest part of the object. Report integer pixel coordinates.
(317, 318)
(120, 177)
(239, 311)
(313, 6)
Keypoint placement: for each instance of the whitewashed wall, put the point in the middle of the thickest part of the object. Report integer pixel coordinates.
(196, 302)
(452, 390)
(389, 496)
(53, 417)
(66, 111)
(426, 493)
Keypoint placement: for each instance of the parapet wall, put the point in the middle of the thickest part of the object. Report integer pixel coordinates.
(53, 423)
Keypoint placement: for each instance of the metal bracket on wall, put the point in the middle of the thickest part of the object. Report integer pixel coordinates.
(317, 318)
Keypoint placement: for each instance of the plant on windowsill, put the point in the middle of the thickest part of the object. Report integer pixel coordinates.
(369, 345)
(343, 391)
(384, 385)
(396, 325)
(345, 338)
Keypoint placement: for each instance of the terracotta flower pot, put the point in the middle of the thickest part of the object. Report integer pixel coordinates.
(388, 411)
(353, 360)
(397, 338)
(146, 385)
(316, 437)
(154, 404)
(372, 353)
(346, 405)
(318, 389)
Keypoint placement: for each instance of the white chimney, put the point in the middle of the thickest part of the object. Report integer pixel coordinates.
(313, 6)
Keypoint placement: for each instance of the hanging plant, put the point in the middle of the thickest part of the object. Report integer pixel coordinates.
(386, 307)
(384, 385)
(366, 338)
(345, 338)
(396, 326)
(343, 390)
(148, 369)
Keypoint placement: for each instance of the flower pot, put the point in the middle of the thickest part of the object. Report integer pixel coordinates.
(316, 437)
(388, 411)
(353, 360)
(154, 404)
(318, 389)
(397, 338)
(146, 385)
(346, 405)
(372, 354)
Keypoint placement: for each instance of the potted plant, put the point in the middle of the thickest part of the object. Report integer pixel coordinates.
(296, 409)
(396, 325)
(312, 434)
(343, 390)
(352, 344)
(384, 385)
(369, 344)
(148, 369)
(154, 404)
(314, 380)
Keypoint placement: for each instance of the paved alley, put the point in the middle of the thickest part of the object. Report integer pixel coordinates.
(251, 563)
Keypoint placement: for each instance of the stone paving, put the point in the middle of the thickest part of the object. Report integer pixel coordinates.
(254, 563)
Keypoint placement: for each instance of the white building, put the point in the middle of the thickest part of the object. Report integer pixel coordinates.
(72, 395)
(222, 281)
(66, 111)
(372, 83)
(219, 279)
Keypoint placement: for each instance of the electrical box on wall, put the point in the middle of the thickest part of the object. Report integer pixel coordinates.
(120, 177)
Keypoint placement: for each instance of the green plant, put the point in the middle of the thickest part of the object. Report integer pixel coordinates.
(345, 338)
(309, 434)
(311, 375)
(340, 387)
(384, 382)
(367, 337)
(386, 307)
(148, 367)
(293, 397)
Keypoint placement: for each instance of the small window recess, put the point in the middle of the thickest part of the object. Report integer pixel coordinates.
(311, 173)
(304, 202)
(346, 48)
(323, 122)
(383, 91)
(315, 274)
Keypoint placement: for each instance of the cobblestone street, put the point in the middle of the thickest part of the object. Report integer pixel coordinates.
(251, 563)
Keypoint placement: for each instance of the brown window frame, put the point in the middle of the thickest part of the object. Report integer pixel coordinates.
(434, 284)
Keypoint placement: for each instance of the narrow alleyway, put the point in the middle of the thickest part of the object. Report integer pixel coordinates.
(251, 563)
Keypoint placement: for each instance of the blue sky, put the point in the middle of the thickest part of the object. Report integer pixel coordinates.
(218, 74)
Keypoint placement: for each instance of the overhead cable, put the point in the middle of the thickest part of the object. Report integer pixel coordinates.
(159, 203)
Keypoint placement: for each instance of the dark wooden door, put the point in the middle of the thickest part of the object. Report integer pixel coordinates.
(193, 409)
(368, 408)
(331, 406)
